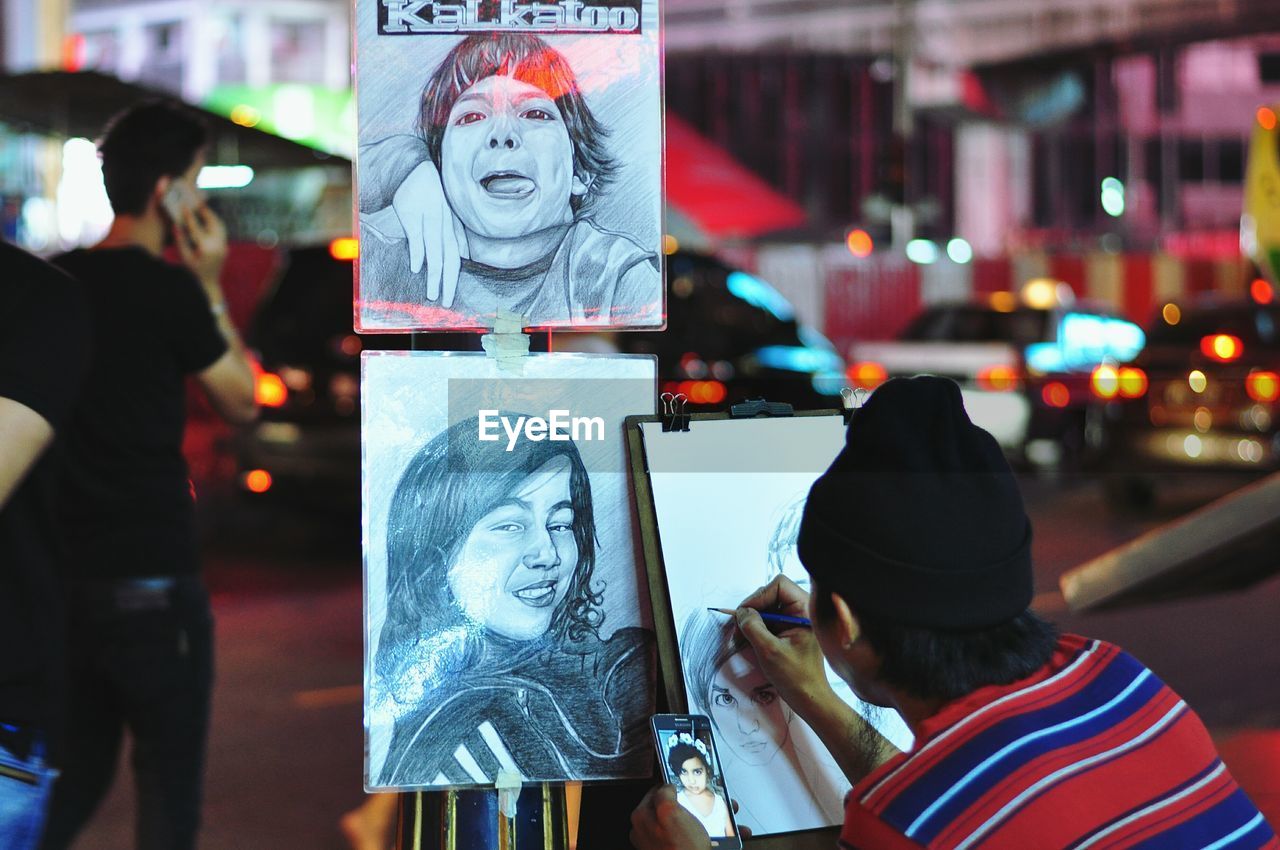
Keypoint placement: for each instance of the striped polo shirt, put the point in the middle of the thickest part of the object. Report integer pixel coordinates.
(1092, 751)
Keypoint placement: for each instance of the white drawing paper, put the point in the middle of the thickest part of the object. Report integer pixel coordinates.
(728, 496)
(507, 621)
(510, 160)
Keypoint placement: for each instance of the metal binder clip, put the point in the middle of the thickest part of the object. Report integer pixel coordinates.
(852, 399)
(674, 417)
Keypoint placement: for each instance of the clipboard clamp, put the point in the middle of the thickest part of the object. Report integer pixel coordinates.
(759, 407)
(852, 399)
(675, 416)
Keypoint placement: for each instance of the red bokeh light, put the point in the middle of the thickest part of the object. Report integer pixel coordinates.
(257, 480)
(1056, 394)
(859, 243)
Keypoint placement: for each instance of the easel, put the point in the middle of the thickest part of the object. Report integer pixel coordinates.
(472, 820)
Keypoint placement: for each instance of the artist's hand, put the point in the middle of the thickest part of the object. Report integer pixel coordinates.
(435, 234)
(661, 823)
(202, 244)
(790, 659)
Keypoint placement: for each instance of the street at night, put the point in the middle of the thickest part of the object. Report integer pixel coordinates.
(285, 750)
(386, 385)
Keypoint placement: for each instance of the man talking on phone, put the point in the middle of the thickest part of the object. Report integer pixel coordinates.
(140, 630)
(919, 555)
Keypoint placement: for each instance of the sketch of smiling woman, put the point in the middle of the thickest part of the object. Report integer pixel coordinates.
(489, 207)
(491, 655)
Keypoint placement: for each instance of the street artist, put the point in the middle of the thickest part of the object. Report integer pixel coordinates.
(919, 553)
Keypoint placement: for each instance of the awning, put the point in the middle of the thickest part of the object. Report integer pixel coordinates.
(709, 189)
(70, 104)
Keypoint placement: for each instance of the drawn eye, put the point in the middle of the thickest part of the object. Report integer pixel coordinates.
(723, 698)
(537, 114)
(560, 527)
(766, 696)
(509, 526)
(469, 118)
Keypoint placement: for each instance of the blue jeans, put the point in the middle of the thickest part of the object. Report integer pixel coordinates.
(25, 784)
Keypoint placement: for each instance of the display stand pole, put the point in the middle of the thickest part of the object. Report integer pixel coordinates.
(471, 820)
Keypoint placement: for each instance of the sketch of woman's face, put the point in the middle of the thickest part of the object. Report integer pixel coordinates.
(506, 160)
(515, 567)
(693, 775)
(748, 713)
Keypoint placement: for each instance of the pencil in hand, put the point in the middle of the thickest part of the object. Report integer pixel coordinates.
(770, 617)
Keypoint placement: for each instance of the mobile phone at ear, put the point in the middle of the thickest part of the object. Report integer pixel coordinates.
(178, 199)
(689, 761)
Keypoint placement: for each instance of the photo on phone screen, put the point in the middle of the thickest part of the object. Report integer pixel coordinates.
(687, 753)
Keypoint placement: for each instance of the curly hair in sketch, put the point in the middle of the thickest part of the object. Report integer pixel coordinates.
(491, 655)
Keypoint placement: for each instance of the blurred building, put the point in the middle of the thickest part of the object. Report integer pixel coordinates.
(1099, 141)
(190, 49)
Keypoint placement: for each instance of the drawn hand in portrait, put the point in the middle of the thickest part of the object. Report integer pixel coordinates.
(491, 655)
(432, 231)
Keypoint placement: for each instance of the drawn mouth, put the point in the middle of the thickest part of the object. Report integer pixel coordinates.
(507, 185)
(540, 594)
(755, 746)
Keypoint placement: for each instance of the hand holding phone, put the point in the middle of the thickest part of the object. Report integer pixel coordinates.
(179, 199)
(690, 763)
(202, 244)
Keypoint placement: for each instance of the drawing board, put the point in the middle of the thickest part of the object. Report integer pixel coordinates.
(725, 501)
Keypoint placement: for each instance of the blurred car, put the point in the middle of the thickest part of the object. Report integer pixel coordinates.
(1023, 363)
(1203, 395)
(730, 337)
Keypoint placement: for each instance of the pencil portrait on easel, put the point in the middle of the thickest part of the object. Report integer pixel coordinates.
(506, 624)
(509, 161)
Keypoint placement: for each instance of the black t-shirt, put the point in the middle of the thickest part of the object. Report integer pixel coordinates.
(126, 503)
(44, 350)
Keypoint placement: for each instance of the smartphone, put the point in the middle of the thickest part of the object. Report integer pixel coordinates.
(687, 754)
(178, 199)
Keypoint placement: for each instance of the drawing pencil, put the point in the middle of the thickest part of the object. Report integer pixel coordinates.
(770, 617)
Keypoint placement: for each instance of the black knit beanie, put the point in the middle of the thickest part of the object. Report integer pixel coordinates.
(919, 521)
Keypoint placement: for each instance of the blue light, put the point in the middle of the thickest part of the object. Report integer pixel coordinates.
(796, 358)
(1045, 357)
(757, 293)
(1086, 340)
(829, 383)
(813, 338)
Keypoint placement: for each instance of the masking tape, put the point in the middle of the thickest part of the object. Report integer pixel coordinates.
(508, 784)
(507, 344)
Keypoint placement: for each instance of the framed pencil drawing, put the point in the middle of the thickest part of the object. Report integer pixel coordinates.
(506, 623)
(509, 160)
